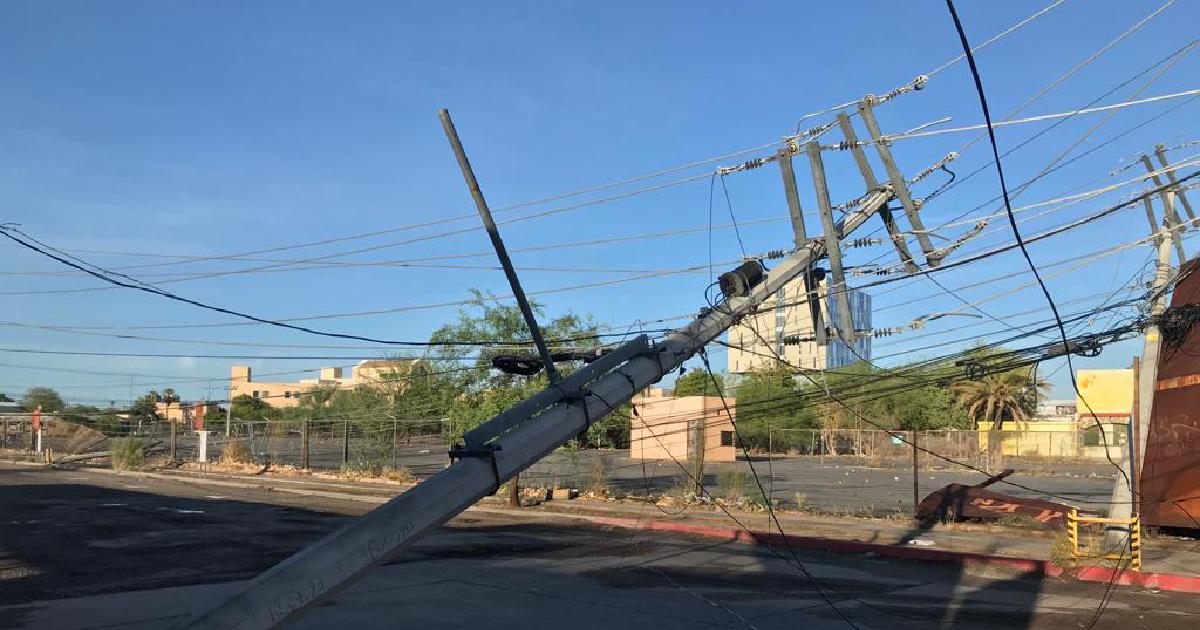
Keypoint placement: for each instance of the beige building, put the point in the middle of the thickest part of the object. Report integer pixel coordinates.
(171, 412)
(184, 412)
(669, 427)
(242, 383)
(759, 338)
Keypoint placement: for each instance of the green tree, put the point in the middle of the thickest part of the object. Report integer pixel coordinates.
(768, 400)
(479, 391)
(249, 409)
(169, 396)
(104, 421)
(44, 397)
(699, 383)
(146, 406)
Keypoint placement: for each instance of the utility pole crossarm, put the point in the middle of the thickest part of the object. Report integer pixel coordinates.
(1170, 216)
(535, 332)
(885, 213)
(837, 282)
(1161, 153)
(800, 238)
(899, 186)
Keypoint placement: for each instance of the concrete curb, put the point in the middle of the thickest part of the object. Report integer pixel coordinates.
(1153, 580)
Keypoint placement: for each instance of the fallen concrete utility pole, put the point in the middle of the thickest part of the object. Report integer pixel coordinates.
(501, 448)
(330, 564)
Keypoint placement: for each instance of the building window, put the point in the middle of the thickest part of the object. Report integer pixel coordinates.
(255, 393)
(287, 394)
(1114, 435)
(727, 438)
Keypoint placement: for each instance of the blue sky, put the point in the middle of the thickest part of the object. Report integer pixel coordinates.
(206, 129)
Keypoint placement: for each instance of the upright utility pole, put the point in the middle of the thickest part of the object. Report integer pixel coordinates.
(1123, 496)
(1148, 374)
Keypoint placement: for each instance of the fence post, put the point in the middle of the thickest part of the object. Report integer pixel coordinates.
(174, 443)
(4, 435)
(916, 472)
(395, 424)
(514, 497)
(696, 448)
(770, 470)
(345, 443)
(304, 445)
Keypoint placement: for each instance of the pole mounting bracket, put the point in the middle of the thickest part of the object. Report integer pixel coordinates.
(486, 451)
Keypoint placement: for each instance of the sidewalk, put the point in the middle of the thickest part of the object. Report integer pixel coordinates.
(1167, 564)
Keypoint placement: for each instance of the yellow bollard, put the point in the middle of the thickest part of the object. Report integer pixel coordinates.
(1135, 543)
(1073, 531)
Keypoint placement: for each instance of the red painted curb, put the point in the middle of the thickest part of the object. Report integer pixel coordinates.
(1160, 581)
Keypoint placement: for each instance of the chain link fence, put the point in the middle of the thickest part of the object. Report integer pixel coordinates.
(989, 450)
(845, 470)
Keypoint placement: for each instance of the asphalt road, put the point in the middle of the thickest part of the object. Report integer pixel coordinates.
(84, 549)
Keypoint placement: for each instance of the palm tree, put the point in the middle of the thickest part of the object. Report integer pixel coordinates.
(1002, 396)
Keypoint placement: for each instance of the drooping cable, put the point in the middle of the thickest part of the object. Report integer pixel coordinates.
(1012, 221)
(732, 219)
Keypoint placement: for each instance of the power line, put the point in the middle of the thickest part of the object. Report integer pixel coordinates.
(131, 283)
(404, 262)
(1072, 72)
(1039, 118)
(962, 36)
(617, 281)
(1177, 54)
(794, 561)
(818, 388)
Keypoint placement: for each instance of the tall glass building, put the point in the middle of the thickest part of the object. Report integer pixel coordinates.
(759, 337)
(839, 353)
